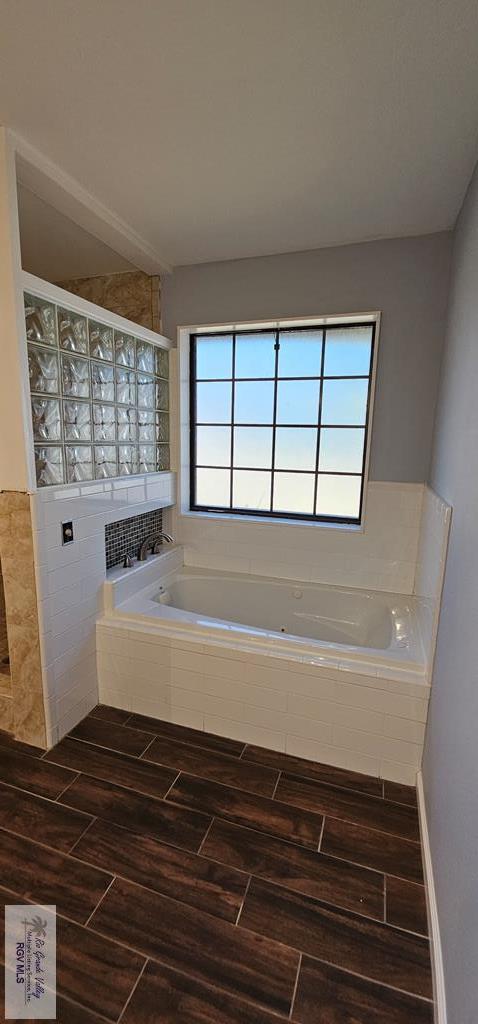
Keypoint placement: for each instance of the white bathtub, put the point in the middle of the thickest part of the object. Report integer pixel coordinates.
(328, 673)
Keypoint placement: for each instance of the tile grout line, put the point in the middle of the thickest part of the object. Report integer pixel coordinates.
(133, 990)
(85, 830)
(385, 898)
(166, 794)
(108, 887)
(321, 836)
(141, 756)
(296, 985)
(243, 900)
(274, 791)
(69, 783)
(203, 840)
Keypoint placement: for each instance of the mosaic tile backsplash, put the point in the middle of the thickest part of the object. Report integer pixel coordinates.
(126, 536)
(99, 398)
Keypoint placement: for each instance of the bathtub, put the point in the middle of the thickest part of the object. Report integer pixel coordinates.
(329, 673)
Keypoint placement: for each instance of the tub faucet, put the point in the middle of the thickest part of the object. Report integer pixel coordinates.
(153, 542)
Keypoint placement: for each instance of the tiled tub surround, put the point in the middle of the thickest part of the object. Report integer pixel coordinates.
(70, 579)
(100, 397)
(430, 569)
(360, 715)
(125, 536)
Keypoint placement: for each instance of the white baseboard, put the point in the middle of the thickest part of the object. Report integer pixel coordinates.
(432, 909)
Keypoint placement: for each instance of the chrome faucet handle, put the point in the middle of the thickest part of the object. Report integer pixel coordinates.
(128, 561)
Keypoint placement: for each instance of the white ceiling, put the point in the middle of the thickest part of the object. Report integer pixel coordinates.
(55, 248)
(229, 128)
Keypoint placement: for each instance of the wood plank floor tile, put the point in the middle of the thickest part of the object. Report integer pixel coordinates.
(327, 995)
(306, 871)
(209, 764)
(212, 950)
(249, 809)
(196, 737)
(194, 880)
(358, 808)
(312, 770)
(406, 905)
(109, 714)
(46, 876)
(29, 773)
(94, 971)
(400, 794)
(378, 850)
(29, 816)
(21, 748)
(176, 825)
(152, 779)
(112, 736)
(376, 951)
(164, 996)
(66, 1011)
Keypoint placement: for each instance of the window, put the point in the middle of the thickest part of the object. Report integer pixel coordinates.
(279, 421)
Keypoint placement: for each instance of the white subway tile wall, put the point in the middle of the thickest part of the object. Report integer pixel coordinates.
(430, 565)
(361, 722)
(381, 556)
(70, 579)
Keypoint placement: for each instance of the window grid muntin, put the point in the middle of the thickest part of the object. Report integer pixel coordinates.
(314, 517)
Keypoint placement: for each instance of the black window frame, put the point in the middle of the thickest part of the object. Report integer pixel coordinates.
(232, 510)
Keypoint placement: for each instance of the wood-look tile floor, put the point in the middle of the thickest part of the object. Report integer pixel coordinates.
(202, 881)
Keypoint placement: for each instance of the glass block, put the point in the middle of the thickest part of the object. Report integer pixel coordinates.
(43, 370)
(162, 395)
(161, 360)
(294, 492)
(144, 356)
(251, 490)
(79, 465)
(213, 488)
(147, 458)
(104, 461)
(126, 423)
(102, 382)
(339, 496)
(127, 459)
(146, 392)
(124, 349)
(75, 376)
(72, 331)
(125, 386)
(40, 320)
(147, 425)
(347, 351)
(213, 357)
(104, 422)
(101, 340)
(162, 426)
(49, 466)
(46, 419)
(76, 421)
(162, 457)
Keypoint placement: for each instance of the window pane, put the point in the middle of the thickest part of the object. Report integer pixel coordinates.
(338, 496)
(251, 490)
(213, 446)
(254, 402)
(344, 401)
(347, 351)
(298, 401)
(213, 403)
(300, 353)
(296, 447)
(253, 447)
(213, 487)
(341, 451)
(214, 356)
(255, 355)
(294, 492)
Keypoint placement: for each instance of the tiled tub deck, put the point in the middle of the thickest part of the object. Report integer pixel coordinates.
(200, 880)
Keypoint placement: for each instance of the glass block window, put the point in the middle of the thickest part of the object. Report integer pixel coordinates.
(279, 421)
(99, 397)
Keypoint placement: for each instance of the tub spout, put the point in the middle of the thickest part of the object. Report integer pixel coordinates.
(153, 543)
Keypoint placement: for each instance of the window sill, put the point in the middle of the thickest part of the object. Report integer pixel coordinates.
(273, 521)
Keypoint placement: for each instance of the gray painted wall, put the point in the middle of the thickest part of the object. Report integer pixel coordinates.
(405, 278)
(450, 766)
